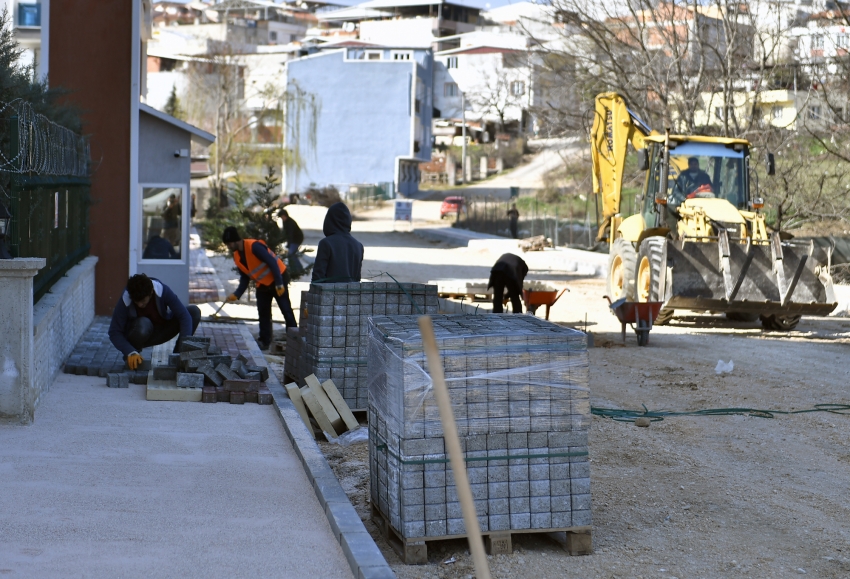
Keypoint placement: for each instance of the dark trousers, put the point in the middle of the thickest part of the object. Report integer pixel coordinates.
(142, 333)
(294, 263)
(265, 295)
(499, 282)
(514, 232)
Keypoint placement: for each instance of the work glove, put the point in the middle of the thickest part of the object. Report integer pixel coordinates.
(232, 298)
(134, 360)
(280, 290)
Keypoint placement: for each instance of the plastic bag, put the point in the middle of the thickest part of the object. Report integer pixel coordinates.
(359, 434)
(724, 367)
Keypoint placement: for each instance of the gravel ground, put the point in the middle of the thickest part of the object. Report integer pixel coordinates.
(688, 497)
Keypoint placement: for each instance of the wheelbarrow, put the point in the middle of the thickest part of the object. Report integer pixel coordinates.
(535, 298)
(639, 315)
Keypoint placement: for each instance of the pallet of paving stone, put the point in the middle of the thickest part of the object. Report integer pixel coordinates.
(334, 320)
(518, 386)
(575, 541)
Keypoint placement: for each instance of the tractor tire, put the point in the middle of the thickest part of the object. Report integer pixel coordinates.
(779, 323)
(621, 271)
(741, 317)
(649, 287)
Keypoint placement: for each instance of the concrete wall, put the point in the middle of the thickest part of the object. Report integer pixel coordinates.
(90, 57)
(60, 318)
(157, 143)
(367, 117)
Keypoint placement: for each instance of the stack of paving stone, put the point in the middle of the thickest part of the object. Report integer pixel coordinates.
(518, 386)
(223, 379)
(295, 366)
(334, 321)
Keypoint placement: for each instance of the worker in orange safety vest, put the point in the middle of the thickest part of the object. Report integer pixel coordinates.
(256, 262)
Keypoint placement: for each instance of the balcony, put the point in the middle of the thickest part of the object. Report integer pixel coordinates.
(29, 15)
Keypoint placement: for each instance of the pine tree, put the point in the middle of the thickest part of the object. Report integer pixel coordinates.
(172, 106)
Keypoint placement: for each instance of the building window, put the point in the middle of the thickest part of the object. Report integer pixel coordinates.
(162, 221)
(718, 113)
(814, 112)
(374, 54)
(776, 112)
(273, 36)
(29, 15)
(401, 55)
(450, 89)
(517, 87)
(841, 41)
(817, 41)
(451, 62)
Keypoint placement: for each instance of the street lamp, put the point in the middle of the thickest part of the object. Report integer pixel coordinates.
(5, 218)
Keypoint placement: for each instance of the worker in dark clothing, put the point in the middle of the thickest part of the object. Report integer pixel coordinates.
(149, 314)
(508, 273)
(513, 215)
(294, 238)
(255, 261)
(339, 256)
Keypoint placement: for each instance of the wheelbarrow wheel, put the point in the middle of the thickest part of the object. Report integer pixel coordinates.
(642, 331)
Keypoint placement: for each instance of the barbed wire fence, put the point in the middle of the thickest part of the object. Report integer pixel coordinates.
(44, 147)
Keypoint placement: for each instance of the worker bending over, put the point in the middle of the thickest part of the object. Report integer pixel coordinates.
(339, 256)
(508, 273)
(256, 262)
(149, 314)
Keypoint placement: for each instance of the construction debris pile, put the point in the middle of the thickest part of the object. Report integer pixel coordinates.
(519, 391)
(333, 342)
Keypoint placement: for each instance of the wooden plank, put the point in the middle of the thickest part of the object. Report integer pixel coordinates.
(317, 411)
(339, 403)
(327, 405)
(298, 402)
(452, 440)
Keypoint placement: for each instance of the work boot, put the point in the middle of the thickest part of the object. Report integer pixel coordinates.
(264, 346)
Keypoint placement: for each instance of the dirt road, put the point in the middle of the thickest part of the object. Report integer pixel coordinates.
(695, 497)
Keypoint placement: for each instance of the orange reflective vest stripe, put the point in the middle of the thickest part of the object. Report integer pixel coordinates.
(257, 269)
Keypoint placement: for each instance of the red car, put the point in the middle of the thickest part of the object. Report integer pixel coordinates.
(451, 205)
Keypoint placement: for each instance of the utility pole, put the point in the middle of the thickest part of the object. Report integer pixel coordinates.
(463, 133)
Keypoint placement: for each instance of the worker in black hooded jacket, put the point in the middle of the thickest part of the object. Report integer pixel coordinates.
(508, 273)
(339, 256)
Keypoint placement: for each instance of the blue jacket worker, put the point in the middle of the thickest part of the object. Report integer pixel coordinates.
(256, 262)
(339, 256)
(149, 314)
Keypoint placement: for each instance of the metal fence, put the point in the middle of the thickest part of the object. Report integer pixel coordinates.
(369, 195)
(45, 184)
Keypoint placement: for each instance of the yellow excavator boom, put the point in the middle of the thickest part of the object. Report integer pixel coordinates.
(614, 127)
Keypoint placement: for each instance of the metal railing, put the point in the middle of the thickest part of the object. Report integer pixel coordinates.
(45, 184)
(368, 196)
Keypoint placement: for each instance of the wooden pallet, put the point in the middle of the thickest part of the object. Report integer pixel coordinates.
(576, 540)
(469, 296)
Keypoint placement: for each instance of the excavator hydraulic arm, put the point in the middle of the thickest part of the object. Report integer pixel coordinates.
(614, 127)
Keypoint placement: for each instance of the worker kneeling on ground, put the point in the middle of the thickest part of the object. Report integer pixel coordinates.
(255, 261)
(508, 273)
(149, 314)
(339, 256)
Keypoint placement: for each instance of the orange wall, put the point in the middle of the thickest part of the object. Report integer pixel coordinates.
(90, 55)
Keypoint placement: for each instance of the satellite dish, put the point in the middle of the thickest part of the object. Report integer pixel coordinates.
(348, 26)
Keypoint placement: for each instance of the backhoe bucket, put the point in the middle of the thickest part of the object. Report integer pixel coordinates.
(769, 279)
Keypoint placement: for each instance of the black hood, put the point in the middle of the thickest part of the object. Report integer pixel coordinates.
(338, 219)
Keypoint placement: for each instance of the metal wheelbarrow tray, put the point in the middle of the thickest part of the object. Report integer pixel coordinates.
(639, 315)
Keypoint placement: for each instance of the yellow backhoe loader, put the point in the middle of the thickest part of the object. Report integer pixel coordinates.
(700, 241)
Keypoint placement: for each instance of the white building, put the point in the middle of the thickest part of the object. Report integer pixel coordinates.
(495, 75)
(30, 22)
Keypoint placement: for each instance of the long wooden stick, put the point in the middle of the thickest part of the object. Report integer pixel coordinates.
(447, 417)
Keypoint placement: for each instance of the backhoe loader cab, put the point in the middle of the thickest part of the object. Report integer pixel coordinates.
(700, 241)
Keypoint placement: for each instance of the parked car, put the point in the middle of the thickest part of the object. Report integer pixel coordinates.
(452, 206)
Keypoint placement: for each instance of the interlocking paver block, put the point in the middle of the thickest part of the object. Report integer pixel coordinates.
(185, 380)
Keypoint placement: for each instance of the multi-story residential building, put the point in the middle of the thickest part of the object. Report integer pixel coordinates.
(492, 74)
(375, 120)
(823, 43)
(420, 23)
(29, 19)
